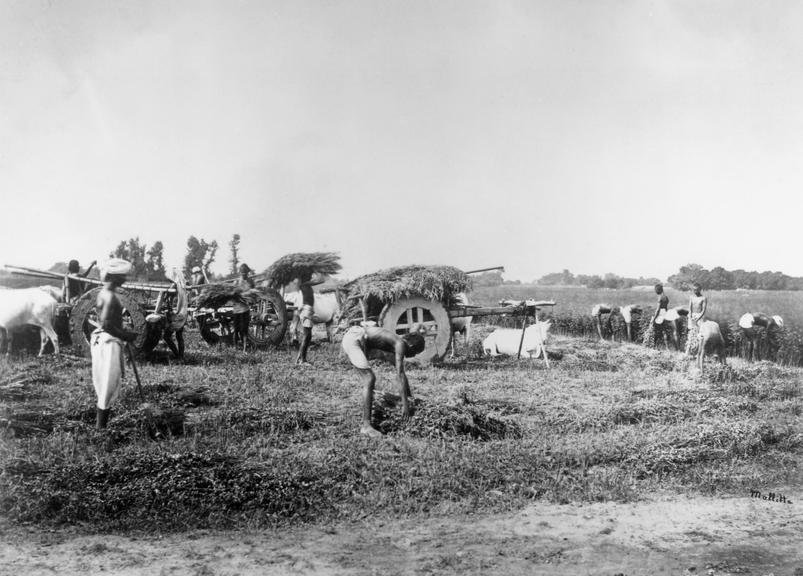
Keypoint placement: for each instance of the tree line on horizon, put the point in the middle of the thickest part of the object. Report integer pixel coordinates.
(718, 278)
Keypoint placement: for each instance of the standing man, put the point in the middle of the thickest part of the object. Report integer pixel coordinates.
(360, 343)
(176, 315)
(108, 340)
(73, 288)
(197, 278)
(306, 314)
(659, 326)
(698, 304)
(241, 313)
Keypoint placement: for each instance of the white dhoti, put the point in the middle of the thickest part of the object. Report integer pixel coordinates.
(107, 367)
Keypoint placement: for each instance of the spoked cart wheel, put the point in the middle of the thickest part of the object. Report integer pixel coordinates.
(84, 320)
(401, 315)
(268, 319)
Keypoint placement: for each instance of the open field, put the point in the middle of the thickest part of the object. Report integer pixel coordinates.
(248, 442)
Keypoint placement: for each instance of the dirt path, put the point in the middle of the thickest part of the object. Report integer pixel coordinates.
(674, 536)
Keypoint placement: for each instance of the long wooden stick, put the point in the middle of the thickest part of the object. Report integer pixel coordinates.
(523, 326)
(35, 270)
(136, 372)
(502, 268)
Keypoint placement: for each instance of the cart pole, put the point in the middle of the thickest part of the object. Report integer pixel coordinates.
(523, 326)
(136, 372)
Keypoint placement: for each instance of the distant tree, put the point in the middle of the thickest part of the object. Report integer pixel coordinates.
(199, 253)
(564, 278)
(133, 251)
(720, 279)
(772, 280)
(234, 245)
(688, 275)
(612, 281)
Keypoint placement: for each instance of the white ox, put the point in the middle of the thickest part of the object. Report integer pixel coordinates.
(325, 311)
(507, 340)
(34, 306)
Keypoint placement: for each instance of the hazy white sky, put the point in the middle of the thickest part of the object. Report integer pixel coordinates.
(623, 136)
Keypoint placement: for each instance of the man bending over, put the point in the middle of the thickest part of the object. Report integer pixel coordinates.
(361, 343)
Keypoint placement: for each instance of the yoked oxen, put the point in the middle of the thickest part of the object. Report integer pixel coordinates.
(29, 306)
(327, 310)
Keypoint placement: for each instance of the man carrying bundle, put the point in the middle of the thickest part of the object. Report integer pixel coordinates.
(363, 342)
(241, 312)
(108, 340)
(306, 313)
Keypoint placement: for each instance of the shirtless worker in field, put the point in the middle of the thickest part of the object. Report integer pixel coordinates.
(361, 343)
(108, 340)
(658, 325)
(698, 304)
(305, 315)
(241, 312)
(74, 288)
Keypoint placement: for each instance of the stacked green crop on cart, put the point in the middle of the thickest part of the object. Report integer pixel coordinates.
(219, 295)
(437, 283)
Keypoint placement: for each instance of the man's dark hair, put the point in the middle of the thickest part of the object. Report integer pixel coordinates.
(73, 266)
(659, 287)
(415, 344)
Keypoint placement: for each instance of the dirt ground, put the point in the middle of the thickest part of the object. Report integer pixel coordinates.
(701, 535)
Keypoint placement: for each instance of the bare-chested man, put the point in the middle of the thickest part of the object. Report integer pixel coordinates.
(240, 312)
(74, 288)
(698, 304)
(659, 327)
(305, 314)
(361, 343)
(751, 325)
(108, 340)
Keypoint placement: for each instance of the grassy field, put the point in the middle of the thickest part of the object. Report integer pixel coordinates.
(234, 440)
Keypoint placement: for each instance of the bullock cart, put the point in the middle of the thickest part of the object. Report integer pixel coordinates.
(268, 319)
(146, 307)
(427, 297)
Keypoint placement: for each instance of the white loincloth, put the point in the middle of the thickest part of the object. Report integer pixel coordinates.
(107, 367)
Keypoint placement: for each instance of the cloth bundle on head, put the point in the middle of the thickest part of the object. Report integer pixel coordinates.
(195, 269)
(116, 267)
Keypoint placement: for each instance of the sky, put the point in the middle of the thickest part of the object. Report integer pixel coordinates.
(600, 136)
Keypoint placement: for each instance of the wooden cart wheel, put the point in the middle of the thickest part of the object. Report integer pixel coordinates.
(401, 315)
(84, 320)
(268, 319)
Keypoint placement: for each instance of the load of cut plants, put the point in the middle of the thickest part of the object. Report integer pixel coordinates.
(219, 295)
(304, 265)
(439, 420)
(437, 283)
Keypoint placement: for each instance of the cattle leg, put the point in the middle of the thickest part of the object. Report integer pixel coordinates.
(329, 331)
(3, 338)
(598, 324)
(10, 343)
(45, 333)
